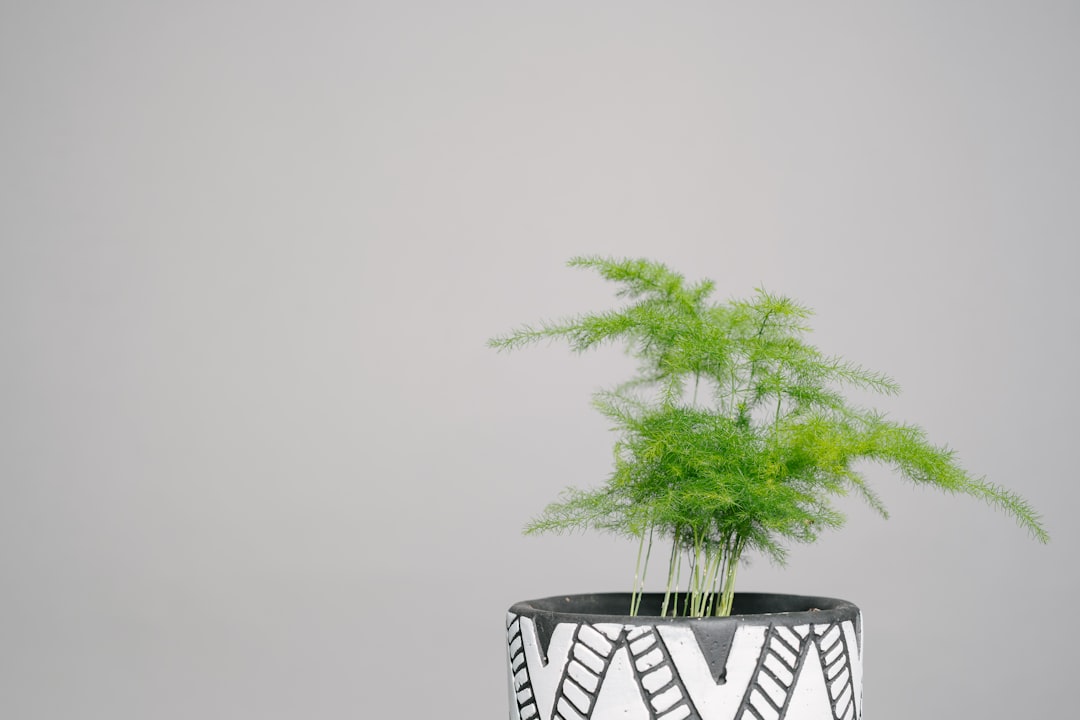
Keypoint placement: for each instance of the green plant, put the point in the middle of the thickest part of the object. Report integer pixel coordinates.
(734, 434)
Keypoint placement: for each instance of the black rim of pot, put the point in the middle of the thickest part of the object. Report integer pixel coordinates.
(748, 609)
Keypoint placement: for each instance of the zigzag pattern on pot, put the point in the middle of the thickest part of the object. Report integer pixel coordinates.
(656, 676)
(519, 670)
(780, 665)
(590, 658)
(778, 669)
(836, 663)
(582, 667)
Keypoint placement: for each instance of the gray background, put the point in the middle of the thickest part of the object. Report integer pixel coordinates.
(255, 460)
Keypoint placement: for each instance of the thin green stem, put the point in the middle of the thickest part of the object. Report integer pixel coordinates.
(671, 574)
(637, 577)
(726, 554)
(697, 575)
(729, 579)
(635, 601)
(678, 579)
(710, 583)
(730, 410)
(645, 569)
(689, 581)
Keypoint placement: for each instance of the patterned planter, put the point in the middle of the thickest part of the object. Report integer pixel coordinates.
(777, 656)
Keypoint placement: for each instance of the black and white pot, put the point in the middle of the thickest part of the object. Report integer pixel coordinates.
(777, 656)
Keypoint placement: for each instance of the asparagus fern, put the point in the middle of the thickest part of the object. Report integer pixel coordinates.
(734, 435)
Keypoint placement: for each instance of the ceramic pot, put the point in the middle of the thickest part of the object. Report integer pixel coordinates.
(777, 656)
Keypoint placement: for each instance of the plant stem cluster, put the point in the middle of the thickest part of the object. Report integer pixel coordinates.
(733, 435)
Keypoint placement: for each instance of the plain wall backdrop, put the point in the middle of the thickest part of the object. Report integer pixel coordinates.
(255, 458)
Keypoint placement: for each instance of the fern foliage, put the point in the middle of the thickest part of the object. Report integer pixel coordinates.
(734, 435)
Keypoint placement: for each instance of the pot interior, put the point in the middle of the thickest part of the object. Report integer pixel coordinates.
(618, 604)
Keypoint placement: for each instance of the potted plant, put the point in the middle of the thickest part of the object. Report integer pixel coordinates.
(734, 436)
